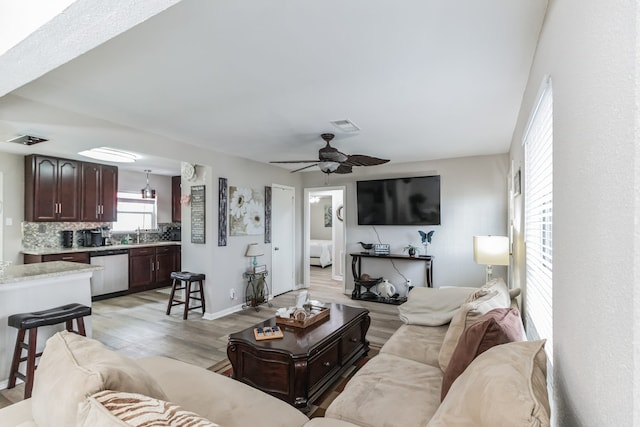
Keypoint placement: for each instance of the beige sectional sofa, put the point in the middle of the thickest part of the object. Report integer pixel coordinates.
(503, 386)
(80, 382)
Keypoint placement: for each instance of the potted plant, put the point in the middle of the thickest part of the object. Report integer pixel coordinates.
(412, 250)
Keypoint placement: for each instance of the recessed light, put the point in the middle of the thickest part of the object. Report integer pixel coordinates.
(345, 125)
(110, 155)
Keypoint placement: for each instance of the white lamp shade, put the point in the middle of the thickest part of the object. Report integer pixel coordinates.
(491, 250)
(254, 250)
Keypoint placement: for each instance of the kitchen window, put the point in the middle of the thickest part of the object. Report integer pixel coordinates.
(135, 212)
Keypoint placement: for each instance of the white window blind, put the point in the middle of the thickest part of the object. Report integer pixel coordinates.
(135, 212)
(538, 203)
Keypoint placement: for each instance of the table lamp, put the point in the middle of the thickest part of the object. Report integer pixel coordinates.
(254, 250)
(491, 250)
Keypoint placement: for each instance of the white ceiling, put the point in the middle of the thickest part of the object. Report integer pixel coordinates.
(423, 79)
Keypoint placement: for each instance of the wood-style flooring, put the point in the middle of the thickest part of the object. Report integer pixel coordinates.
(136, 325)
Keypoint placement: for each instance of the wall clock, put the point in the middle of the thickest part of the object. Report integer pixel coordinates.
(188, 171)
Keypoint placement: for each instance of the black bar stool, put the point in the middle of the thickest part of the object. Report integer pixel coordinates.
(188, 278)
(31, 322)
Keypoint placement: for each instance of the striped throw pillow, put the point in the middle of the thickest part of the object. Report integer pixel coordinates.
(115, 408)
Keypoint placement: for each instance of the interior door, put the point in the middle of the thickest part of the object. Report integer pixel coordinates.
(283, 240)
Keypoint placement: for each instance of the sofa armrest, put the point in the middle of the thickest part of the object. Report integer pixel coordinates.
(219, 398)
(17, 415)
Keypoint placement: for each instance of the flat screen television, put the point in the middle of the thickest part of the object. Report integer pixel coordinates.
(399, 201)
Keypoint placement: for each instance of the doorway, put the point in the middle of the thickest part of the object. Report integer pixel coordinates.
(325, 235)
(283, 239)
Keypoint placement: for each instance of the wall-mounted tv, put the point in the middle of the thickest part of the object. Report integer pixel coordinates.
(399, 201)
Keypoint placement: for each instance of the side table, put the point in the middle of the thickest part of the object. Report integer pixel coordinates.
(257, 291)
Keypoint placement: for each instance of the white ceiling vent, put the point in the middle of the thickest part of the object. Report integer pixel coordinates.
(345, 125)
(27, 140)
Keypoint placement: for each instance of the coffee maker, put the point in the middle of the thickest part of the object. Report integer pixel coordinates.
(90, 237)
(106, 235)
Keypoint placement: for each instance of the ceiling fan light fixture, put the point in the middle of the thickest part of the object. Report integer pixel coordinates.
(328, 167)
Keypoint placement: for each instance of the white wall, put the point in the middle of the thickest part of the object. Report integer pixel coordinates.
(473, 199)
(589, 48)
(316, 221)
(224, 265)
(12, 166)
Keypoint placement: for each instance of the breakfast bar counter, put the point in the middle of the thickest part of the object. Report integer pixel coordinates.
(34, 287)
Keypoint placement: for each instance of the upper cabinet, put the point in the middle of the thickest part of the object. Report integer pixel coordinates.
(99, 193)
(176, 193)
(68, 190)
(52, 189)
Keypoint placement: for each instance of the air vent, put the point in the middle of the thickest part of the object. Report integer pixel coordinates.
(345, 125)
(27, 140)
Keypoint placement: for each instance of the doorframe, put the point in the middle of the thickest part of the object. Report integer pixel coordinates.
(292, 233)
(307, 233)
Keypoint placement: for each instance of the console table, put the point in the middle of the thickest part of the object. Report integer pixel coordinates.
(356, 269)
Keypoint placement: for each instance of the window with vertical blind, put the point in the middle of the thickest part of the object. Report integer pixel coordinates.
(538, 212)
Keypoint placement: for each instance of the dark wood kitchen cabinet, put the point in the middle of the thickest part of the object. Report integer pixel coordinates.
(151, 267)
(176, 193)
(52, 189)
(99, 193)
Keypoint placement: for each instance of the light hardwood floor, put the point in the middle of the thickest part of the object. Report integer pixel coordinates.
(136, 325)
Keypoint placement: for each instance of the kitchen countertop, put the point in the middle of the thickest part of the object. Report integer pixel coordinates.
(49, 251)
(24, 272)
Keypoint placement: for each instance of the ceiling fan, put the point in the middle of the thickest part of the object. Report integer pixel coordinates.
(330, 160)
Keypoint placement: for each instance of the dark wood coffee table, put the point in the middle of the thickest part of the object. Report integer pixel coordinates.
(301, 366)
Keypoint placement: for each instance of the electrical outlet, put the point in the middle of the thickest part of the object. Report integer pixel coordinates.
(232, 293)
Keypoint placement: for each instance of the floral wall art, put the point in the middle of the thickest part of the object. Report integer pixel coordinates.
(246, 211)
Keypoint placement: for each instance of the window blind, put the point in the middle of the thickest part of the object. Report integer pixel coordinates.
(538, 203)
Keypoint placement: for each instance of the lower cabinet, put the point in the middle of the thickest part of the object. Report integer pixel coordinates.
(82, 257)
(151, 267)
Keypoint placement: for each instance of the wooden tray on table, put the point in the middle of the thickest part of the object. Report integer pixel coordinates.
(318, 314)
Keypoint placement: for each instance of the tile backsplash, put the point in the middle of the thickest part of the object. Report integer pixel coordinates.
(48, 235)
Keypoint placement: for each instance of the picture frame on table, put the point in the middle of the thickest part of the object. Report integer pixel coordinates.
(260, 269)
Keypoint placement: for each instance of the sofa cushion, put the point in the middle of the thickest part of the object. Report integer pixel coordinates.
(498, 326)
(503, 387)
(419, 343)
(77, 367)
(116, 408)
(467, 314)
(389, 391)
(228, 402)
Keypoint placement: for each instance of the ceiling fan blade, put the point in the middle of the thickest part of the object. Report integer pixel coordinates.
(343, 169)
(363, 160)
(295, 161)
(305, 167)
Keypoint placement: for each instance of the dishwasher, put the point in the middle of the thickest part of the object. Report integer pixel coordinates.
(115, 275)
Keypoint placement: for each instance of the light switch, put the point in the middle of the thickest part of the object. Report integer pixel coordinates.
(8, 221)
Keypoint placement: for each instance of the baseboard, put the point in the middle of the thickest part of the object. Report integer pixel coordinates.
(219, 314)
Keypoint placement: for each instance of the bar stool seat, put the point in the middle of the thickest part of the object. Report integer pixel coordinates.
(186, 277)
(31, 322)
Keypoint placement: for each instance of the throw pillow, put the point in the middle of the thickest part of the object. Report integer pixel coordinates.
(506, 386)
(115, 408)
(73, 367)
(498, 326)
(468, 313)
